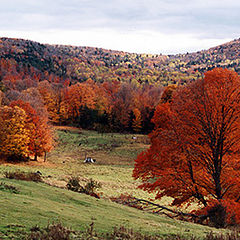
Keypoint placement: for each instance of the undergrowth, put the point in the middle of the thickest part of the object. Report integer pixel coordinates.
(26, 176)
(57, 231)
(89, 188)
(9, 188)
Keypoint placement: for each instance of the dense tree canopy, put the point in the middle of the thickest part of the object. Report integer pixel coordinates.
(14, 136)
(194, 152)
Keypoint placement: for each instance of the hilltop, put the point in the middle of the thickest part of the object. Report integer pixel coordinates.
(78, 64)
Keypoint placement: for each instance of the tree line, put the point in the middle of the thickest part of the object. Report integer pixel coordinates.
(35, 100)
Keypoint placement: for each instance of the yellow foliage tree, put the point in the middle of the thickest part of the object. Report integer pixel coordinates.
(14, 136)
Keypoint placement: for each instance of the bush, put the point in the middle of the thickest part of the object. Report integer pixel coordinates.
(128, 200)
(17, 158)
(220, 213)
(230, 236)
(9, 188)
(73, 184)
(217, 215)
(51, 232)
(59, 232)
(26, 176)
(126, 233)
(89, 188)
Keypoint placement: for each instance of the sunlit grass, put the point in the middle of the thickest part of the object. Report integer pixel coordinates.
(38, 204)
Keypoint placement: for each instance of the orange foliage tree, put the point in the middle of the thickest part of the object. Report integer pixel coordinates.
(40, 135)
(195, 146)
(76, 97)
(52, 95)
(137, 121)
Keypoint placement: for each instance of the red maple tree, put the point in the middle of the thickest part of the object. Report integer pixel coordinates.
(194, 153)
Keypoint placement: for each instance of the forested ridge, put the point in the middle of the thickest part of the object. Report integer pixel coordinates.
(81, 63)
(91, 88)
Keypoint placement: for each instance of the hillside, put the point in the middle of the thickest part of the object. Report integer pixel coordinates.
(37, 204)
(77, 64)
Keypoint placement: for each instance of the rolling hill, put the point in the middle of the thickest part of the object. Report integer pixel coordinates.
(81, 63)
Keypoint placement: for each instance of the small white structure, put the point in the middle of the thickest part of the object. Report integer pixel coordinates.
(89, 160)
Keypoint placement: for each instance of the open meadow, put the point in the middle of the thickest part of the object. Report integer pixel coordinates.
(43, 203)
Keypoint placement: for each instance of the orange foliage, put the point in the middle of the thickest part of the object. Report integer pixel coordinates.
(194, 152)
(53, 100)
(78, 96)
(137, 121)
(40, 136)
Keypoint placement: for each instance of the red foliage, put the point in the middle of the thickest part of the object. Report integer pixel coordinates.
(194, 153)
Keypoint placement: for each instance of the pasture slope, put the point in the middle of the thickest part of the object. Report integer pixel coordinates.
(43, 203)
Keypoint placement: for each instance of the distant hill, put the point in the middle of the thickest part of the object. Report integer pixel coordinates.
(81, 63)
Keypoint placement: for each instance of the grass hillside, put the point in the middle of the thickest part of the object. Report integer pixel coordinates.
(41, 203)
(114, 154)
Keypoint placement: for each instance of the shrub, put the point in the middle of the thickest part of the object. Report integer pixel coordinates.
(73, 184)
(126, 233)
(59, 232)
(128, 200)
(26, 176)
(217, 215)
(51, 232)
(89, 188)
(230, 236)
(220, 213)
(17, 158)
(9, 188)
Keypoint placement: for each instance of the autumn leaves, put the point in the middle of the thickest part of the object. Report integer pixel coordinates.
(23, 132)
(113, 105)
(194, 154)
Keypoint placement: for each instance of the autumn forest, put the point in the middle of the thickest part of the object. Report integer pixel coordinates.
(187, 104)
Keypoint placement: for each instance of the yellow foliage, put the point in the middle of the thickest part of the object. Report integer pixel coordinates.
(14, 136)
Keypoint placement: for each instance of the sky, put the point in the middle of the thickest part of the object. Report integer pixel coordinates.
(139, 26)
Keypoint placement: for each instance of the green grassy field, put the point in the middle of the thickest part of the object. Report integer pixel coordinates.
(115, 154)
(40, 203)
